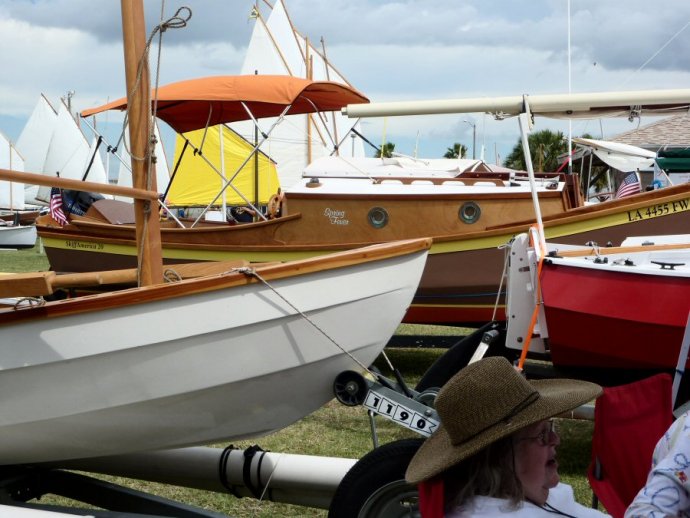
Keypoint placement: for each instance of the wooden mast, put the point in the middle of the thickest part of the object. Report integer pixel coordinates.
(139, 107)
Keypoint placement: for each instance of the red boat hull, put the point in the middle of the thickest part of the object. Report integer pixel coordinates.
(601, 319)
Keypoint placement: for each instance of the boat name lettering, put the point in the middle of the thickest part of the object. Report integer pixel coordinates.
(82, 245)
(662, 209)
(337, 217)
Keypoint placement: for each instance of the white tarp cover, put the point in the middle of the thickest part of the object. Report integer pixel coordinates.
(623, 157)
(367, 167)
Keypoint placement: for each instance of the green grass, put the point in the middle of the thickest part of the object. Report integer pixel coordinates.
(27, 260)
(334, 430)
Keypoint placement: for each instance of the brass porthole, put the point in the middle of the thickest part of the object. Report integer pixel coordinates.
(378, 217)
(470, 212)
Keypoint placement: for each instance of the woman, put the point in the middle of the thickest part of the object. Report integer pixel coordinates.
(494, 453)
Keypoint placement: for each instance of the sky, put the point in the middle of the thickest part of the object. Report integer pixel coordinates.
(389, 50)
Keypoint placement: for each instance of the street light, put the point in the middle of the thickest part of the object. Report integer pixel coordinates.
(474, 136)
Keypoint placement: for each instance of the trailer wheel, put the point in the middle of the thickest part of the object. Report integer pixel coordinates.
(375, 486)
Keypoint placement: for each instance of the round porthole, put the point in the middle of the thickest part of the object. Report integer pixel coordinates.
(378, 217)
(470, 212)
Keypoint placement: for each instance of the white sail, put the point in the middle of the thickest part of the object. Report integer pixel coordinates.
(34, 141)
(11, 193)
(69, 154)
(277, 48)
(124, 174)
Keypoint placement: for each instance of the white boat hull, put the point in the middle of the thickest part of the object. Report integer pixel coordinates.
(17, 236)
(220, 365)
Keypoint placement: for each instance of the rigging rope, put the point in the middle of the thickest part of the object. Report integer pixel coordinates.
(253, 273)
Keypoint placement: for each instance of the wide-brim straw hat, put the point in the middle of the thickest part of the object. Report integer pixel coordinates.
(486, 401)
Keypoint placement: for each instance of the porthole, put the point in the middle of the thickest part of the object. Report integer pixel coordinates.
(470, 212)
(378, 217)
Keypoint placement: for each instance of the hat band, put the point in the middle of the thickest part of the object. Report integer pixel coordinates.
(531, 398)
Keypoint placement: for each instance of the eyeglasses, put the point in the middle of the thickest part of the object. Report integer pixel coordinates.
(546, 436)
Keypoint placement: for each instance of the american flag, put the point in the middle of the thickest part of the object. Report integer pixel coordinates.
(629, 185)
(56, 211)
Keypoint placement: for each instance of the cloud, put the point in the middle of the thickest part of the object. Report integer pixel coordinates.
(389, 49)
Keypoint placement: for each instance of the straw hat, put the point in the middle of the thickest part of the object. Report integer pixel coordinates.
(486, 401)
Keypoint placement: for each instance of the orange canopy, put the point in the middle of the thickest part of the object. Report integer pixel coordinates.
(195, 103)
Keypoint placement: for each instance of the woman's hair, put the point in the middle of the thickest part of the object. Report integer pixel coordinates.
(489, 472)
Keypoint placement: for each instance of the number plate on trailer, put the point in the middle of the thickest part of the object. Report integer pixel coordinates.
(400, 413)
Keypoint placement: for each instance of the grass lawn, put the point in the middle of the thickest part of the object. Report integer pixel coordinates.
(334, 430)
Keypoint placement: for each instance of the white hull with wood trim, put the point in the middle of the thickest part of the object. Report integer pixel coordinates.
(218, 357)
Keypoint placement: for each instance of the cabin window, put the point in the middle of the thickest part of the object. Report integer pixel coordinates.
(378, 217)
(469, 212)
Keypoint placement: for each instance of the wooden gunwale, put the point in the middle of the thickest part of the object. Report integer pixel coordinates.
(165, 291)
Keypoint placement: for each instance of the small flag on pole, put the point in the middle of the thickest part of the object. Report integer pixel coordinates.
(630, 185)
(56, 211)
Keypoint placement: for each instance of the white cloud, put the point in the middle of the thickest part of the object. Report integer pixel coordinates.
(389, 49)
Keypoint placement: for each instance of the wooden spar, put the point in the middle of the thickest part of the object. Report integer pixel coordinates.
(149, 252)
(32, 284)
(76, 185)
(556, 105)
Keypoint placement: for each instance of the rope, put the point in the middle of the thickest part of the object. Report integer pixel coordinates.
(29, 302)
(506, 256)
(170, 275)
(253, 273)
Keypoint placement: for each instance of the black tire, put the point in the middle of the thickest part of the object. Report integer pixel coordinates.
(375, 486)
(456, 358)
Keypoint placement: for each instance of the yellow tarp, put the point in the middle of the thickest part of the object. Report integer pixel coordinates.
(196, 183)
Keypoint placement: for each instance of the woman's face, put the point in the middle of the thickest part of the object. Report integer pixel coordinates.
(535, 460)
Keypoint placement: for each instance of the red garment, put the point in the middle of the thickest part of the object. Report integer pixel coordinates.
(431, 498)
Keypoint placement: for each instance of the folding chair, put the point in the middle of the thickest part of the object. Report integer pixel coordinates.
(628, 422)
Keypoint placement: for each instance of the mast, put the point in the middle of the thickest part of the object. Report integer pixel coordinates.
(149, 254)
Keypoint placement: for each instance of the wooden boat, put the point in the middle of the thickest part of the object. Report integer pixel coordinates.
(622, 307)
(463, 274)
(316, 217)
(218, 357)
(211, 357)
(468, 219)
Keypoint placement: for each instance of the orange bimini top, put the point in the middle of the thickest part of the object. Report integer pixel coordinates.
(196, 103)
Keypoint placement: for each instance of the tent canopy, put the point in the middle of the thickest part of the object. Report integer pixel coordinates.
(196, 103)
(623, 157)
(674, 160)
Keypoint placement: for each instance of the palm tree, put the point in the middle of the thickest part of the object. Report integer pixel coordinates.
(457, 151)
(386, 151)
(545, 146)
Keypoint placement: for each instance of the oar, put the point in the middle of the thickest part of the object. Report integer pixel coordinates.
(45, 283)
